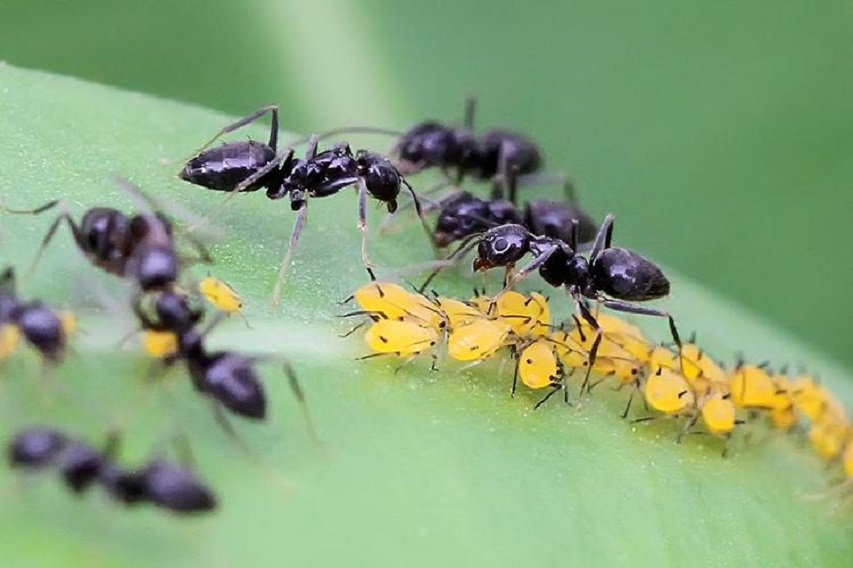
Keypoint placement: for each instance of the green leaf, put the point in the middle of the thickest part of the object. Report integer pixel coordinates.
(416, 467)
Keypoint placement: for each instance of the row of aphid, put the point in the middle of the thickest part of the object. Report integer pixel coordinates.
(689, 385)
(142, 250)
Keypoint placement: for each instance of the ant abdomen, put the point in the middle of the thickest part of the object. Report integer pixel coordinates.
(628, 275)
(222, 168)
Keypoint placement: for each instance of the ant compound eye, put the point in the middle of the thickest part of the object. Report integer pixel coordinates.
(500, 245)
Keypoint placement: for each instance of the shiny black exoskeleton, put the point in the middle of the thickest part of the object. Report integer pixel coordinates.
(138, 247)
(250, 165)
(464, 214)
(40, 324)
(433, 144)
(159, 482)
(229, 378)
(615, 277)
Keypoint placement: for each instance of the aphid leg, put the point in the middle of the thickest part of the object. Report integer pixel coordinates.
(362, 222)
(688, 427)
(288, 254)
(624, 414)
(273, 109)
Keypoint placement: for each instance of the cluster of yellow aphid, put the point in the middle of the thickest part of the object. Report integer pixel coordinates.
(688, 385)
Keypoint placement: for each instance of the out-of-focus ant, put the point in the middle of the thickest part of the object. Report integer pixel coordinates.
(462, 214)
(433, 144)
(137, 247)
(251, 165)
(227, 377)
(159, 482)
(45, 329)
(613, 276)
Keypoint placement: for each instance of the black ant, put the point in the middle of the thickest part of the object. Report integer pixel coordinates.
(463, 214)
(139, 247)
(251, 165)
(615, 277)
(159, 482)
(43, 327)
(432, 144)
(229, 378)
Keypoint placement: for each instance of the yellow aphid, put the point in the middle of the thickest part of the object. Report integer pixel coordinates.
(809, 397)
(751, 387)
(69, 321)
(220, 295)
(668, 392)
(477, 340)
(395, 302)
(403, 338)
(9, 339)
(783, 414)
(159, 344)
(613, 360)
(662, 358)
(522, 313)
(537, 365)
(718, 414)
(567, 349)
(848, 458)
(457, 312)
(543, 321)
(828, 437)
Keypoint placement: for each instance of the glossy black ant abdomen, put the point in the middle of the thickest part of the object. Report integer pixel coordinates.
(232, 380)
(520, 154)
(42, 327)
(628, 275)
(431, 144)
(554, 219)
(224, 167)
(175, 488)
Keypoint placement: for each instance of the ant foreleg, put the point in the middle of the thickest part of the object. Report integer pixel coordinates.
(362, 222)
(593, 352)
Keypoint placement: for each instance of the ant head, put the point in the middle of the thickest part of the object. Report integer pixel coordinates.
(461, 216)
(102, 229)
(43, 329)
(232, 379)
(502, 246)
(156, 266)
(380, 176)
(36, 447)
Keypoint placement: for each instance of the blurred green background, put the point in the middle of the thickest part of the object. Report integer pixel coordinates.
(721, 134)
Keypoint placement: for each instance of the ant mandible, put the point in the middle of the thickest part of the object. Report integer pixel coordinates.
(251, 165)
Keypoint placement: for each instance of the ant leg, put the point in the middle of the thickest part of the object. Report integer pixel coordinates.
(470, 110)
(515, 373)
(243, 122)
(590, 319)
(467, 244)
(419, 210)
(574, 235)
(362, 222)
(226, 425)
(288, 254)
(534, 264)
(627, 307)
(36, 211)
(51, 232)
(569, 191)
(311, 152)
(602, 238)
